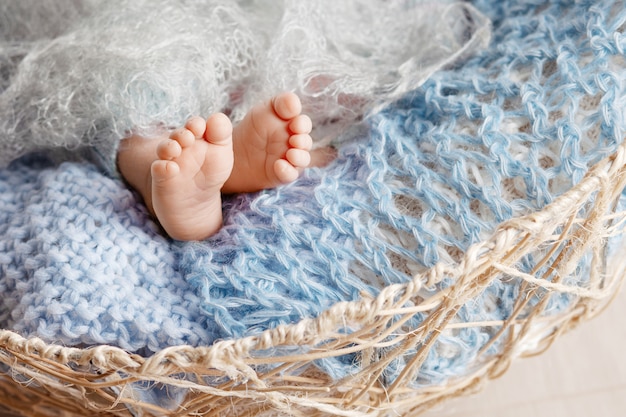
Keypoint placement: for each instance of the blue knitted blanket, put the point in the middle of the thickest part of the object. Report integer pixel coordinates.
(417, 183)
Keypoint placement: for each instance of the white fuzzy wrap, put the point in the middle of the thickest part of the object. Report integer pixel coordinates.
(79, 73)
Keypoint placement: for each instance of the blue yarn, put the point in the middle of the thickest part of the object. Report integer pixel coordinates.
(418, 183)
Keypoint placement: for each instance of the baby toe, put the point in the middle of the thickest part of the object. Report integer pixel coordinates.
(169, 149)
(219, 129)
(301, 141)
(299, 158)
(301, 124)
(163, 170)
(287, 105)
(285, 171)
(197, 126)
(184, 137)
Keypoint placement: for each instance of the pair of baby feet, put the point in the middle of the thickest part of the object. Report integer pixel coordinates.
(206, 158)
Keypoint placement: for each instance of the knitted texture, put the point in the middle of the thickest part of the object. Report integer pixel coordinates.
(414, 186)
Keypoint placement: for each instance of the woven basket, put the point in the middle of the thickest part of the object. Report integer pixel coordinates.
(243, 377)
(570, 250)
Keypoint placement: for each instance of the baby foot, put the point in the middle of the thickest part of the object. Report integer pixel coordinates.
(192, 166)
(271, 145)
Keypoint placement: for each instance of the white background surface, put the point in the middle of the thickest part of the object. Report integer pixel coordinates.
(583, 374)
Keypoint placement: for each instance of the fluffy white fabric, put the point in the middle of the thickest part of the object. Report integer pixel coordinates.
(79, 73)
